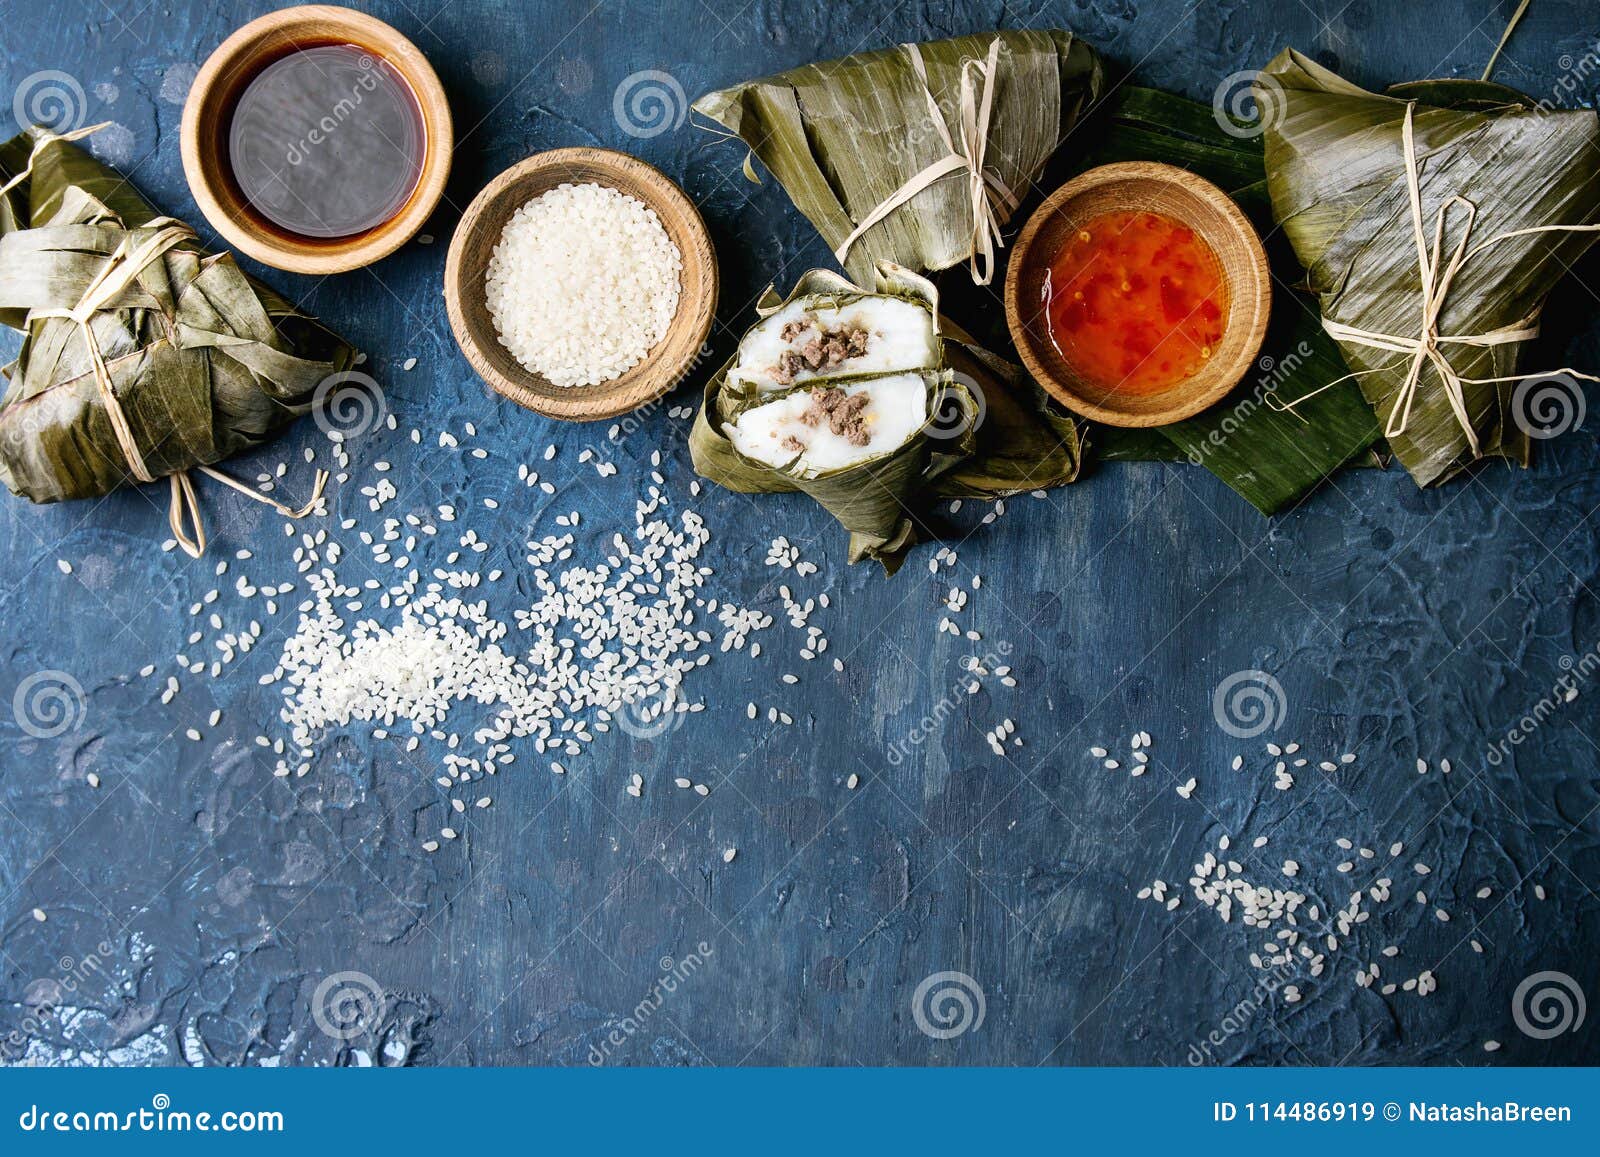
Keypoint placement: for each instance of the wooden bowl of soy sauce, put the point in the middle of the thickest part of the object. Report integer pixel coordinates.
(316, 139)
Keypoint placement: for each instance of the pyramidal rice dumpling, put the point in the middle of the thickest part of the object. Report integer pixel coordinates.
(190, 363)
(1433, 222)
(843, 137)
(858, 400)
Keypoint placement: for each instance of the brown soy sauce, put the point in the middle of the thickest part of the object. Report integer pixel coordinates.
(327, 141)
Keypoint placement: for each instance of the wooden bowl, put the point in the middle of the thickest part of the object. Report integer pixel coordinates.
(216, 89)
(671, 359)
(1172, 192)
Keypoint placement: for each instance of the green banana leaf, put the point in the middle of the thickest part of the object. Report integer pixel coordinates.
(1025, 440)
(1271, 457)
(1129, 444)
(842, 136)
(204, 362)
(991, 432)
(1337, 178)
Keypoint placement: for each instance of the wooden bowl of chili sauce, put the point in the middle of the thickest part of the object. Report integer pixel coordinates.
(1138, 294)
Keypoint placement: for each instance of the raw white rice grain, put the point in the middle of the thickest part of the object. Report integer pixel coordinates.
(583, 281)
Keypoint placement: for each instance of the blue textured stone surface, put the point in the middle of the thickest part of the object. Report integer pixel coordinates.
(195, 904)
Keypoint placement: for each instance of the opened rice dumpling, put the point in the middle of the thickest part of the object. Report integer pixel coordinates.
(823, 336)
(144, 356)
(872, 148)
(819, 428)
(1433, 224)
(857, 399)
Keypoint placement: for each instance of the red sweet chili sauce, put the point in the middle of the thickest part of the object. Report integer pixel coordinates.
(1136, 302)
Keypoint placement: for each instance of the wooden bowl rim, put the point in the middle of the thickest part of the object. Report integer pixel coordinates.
(233, 221)
(645, 382)
(1250, 303)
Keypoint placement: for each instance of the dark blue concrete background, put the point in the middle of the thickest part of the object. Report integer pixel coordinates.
(194, 904)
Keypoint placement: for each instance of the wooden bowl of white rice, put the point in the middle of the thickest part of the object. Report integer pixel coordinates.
(581, 283)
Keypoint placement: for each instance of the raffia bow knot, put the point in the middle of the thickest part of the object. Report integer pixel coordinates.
(1437, 276)
(988, 195)
(137, 249)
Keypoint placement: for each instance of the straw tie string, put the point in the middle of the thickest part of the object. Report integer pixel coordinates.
(136, 250)
(1437, 276)
(987, 193)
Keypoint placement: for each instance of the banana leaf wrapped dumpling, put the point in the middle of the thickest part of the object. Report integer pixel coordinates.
(916, 154)
(857, 399)
(1462, 202)
(144, 356)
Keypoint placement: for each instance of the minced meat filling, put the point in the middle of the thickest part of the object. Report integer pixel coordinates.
(846, 414)
(826, 350)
